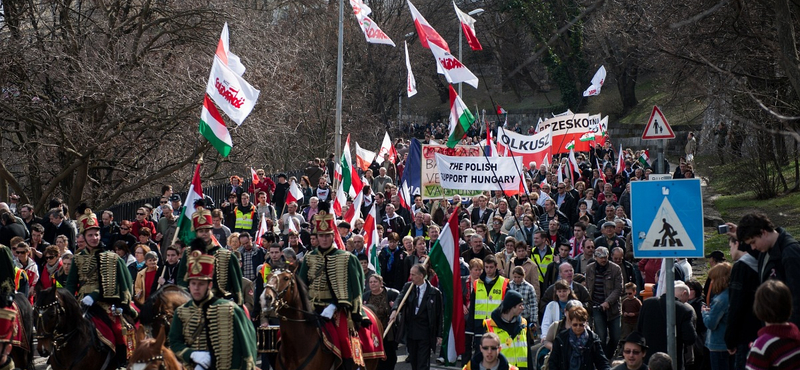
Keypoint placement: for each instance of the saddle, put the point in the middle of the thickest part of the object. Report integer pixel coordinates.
(18, 334)
(344, 341)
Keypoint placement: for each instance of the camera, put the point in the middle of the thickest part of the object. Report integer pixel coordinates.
(722, 229)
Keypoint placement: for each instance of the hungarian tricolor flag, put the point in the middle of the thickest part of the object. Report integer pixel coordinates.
(212, 127)
(644, 159)
(501, 111)
(185, 232)
(468, 25)
(371, 239)
(460, 119)
(589, 136)
(445, 262)
(350, 179)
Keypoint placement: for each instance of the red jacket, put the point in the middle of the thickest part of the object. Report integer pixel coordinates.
(136, 226)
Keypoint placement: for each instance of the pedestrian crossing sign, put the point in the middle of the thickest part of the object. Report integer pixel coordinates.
(667, 218)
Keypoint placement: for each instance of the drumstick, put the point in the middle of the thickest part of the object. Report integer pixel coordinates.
(402, 302)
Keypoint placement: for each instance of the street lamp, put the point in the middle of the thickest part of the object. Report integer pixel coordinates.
(475, 12)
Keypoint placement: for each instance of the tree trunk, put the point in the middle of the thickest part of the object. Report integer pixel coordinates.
(626, 84)
(796, 168)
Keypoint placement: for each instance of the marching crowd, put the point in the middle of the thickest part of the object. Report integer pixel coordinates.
(548, 277)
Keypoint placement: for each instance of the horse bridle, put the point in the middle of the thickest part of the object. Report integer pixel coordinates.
(40, 320)
(148, 361)
(282, 303)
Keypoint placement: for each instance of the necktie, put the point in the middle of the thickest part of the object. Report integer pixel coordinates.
(419, 298)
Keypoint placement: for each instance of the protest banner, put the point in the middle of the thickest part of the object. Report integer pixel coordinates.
(431, 186)
(568, 127)
(535, 148)
(478, 173)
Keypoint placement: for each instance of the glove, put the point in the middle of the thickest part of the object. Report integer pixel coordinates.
(87, 301)
(201, 358)
(196, 367)
(328, 312)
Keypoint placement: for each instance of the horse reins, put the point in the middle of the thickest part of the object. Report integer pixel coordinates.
(282, 303)
(40, 320)
(159, 358)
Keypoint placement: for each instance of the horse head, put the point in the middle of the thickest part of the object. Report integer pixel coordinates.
(279, 290)
(48, 311)
(151, 353)
(162, 305)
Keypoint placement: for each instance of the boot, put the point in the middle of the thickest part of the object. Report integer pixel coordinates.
(121, 356)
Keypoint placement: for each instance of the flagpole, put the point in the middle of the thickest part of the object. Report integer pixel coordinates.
(178, 223)
(403, 302)
(339, 67)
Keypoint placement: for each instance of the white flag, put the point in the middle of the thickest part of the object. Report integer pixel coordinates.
(451, 68)
(411, 83)
(224, 52)
(597, 82)
(230, 91)
(372, 32)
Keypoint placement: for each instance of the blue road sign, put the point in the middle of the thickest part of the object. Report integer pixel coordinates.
(667, 218)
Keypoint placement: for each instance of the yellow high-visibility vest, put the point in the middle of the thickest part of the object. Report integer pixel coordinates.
(514, 349)
(244, 221)
(486, 302)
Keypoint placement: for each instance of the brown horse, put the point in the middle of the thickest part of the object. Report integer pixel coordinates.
(285, 295)
(160, 307)
(152, 354)
(75, 346)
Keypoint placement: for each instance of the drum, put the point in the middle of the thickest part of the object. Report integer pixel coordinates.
(267, 339)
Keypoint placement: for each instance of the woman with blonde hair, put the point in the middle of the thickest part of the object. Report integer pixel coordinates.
(233, 242)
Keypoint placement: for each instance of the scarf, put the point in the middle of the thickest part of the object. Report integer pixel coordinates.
(578, 344)
(139, 265)
(51, 270)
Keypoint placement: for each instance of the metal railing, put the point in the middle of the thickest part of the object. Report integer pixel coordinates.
(127, 211)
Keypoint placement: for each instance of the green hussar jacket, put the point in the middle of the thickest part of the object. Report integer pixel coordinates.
(227, 274)
(215, 325)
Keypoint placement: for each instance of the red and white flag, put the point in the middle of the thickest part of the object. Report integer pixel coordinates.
(294, 194)
(262, 229)
(387, 147)
(364, 157)
(411, 83)
(427, 35)
(254, 175)
(468, 25)
(372, 32)
(597, 82)
(451, 68)
(230, 91)
(574, 164)
(620, 160)
(224, 52)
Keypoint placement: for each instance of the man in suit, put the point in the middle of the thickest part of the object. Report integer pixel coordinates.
(480, 213)
(421, 318)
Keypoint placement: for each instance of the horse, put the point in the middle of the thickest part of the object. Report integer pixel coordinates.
(152, 354)
(285, 295)
(22, 353)
(74, 343)
(160, 307)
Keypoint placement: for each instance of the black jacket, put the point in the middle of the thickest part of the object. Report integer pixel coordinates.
(744, 282)
(593, 356)
(396, 277)
(431, 301)
(784, 259)
(653, 325)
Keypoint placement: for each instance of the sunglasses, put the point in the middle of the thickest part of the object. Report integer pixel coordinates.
(124, 228)
(140, 214)
(163, 202)
(632, 351)
(51, 257)
(22, 252)
(489, 348)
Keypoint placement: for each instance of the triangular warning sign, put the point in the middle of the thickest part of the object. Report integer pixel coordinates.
(657, 127)
(666, 233)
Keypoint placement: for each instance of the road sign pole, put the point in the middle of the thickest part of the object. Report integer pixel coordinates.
(661, 157)
(672, 342)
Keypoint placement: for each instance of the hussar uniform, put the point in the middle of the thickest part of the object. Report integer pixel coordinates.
(213, 327)
(227, 272)
(103, 278)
